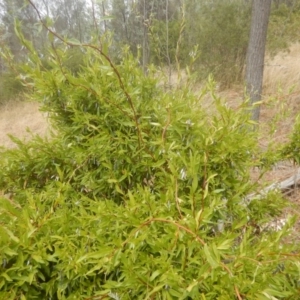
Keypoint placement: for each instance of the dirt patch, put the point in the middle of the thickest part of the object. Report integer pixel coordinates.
(19, 117)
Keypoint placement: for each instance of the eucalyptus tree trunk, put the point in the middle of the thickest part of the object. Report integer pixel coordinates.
(256, 53)
(104, 15)
(145, 39)
(167, 43)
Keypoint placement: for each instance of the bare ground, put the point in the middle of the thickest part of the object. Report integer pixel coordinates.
(18, 118)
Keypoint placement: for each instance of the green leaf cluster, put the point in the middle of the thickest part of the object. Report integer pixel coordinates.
(292, 149)
(139, 194)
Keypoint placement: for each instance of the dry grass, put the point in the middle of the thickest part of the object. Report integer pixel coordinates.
(281, 92)
(17, 117)
(282, 72)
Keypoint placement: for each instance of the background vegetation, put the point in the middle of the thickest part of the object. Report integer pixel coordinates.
(211, 37)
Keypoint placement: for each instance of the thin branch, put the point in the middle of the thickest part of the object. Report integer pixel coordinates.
(94, 18)
(167, 42)
(182, 26)
(237, 293)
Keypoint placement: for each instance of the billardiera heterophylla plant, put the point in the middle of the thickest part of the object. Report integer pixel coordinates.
(138, 194)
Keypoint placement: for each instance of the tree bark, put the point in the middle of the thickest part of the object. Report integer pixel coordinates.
(256, 53)
(145, 40)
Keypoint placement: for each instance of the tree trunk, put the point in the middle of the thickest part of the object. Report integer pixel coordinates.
(104, 16)
(256, 52)
(145, 40)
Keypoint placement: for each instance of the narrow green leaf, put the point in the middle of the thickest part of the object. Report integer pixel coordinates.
(112, 180)
(209, 256)
(73, 41)
(192, 285)
(195, 184)
(10, 252)
(6, 276)
(12, 236)
(37, 258)
(155, 290)
(158, 163)
(154, 275)
(95, 255)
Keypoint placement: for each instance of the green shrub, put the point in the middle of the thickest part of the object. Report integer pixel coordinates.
(73, 59)
(292, 149)
(283, 28)
(140, 194)
(10, 86)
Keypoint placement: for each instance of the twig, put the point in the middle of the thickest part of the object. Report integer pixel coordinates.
(182, 26)
(237, 293)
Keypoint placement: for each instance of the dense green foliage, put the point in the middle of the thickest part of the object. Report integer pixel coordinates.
(292, 149)
(139, 194)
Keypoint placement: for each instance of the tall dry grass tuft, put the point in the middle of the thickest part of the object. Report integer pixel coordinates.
(281, 94)
(281, 74)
